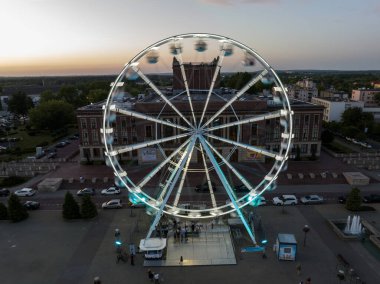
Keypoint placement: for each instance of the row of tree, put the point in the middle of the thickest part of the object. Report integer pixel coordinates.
(16, 212)
(71, 209)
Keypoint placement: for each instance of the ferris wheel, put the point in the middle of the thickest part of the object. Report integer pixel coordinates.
(197, 106)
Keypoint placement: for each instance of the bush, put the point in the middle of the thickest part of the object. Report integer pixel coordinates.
(17, 212)
(3, 212)
(88, 209)
(354, 200)
(70, 207)
(12, 181)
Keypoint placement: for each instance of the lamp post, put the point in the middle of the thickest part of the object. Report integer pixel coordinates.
(305, 229)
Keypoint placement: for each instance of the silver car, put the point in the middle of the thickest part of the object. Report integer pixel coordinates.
(112, 204)
(311, 199)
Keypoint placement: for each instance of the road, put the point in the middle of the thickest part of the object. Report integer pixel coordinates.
(54, 200)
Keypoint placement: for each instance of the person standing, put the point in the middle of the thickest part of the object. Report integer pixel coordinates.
(150, 275)
(156, 278)
(132, 259)
(298, 268)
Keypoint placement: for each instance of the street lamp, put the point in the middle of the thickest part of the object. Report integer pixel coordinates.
(305, 229)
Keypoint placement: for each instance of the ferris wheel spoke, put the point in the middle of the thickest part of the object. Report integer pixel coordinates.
(215, 76)
(180, 187)
(247, 147)
(212, 195)
(233, 169)
(146, 144)
(149, 176)
(235, 97)
(158, 92)
(227, 187)
(149, 118)
(260, 117)
(171, 187)
(180, 60)
(172, 175)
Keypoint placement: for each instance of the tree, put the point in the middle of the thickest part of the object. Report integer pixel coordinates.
(70, 207)
(51, 115)
(48, 95)
(327, 137)
(88, 209)
(3, 212)
(17, 212)
(354, 200)
(19, 104)
(377, 98)
(354, 117)
(97, 95)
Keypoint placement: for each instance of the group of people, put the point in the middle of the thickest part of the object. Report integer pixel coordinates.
(153, 277)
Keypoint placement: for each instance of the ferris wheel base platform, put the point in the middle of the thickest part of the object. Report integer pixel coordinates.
(213, 246)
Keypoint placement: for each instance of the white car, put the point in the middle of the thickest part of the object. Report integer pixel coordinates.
(311, 199)
(110, 191)
(286, 199)
(25, 192)
(112, 204)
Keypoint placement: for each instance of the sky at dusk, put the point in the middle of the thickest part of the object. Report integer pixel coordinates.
(74, 37)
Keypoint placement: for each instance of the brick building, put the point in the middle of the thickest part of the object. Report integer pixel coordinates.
(199, 75)
(265, 134)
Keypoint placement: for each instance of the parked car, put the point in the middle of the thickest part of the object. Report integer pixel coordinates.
(311, 199)
(25, 192)
(204, 187)
(285, 199)
(342, 199)
(112, 204)
(86, 191)
(241, 188)
(110, 191)
(32, 205)
(372, 198)
(4, 192)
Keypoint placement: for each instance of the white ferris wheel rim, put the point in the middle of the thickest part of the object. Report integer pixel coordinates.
(266, 183)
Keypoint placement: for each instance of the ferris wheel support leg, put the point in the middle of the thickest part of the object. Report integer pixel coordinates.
(189, 150)
(228, 188)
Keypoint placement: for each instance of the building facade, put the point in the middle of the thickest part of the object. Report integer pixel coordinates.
(365, 95)
(334, 108)
(303, 90)
(265, 134)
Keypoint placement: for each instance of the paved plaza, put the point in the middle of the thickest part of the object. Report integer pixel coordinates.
(46, 249)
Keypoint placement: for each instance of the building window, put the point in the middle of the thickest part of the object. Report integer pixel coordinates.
(95, 137)
(316, 119)
(93, 123)
(304, 148)
(314, 135)
(254, 129)
(96, 152)
(83, 123)
(85, 136)
(123, 124)
(306, 119)
(305, 134)
(148, 131)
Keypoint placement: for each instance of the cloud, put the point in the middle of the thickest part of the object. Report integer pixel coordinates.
(234, 2)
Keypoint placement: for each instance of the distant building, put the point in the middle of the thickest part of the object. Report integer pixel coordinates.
(333, 94)
(365, 95)
(201, 75)
(303, 90)
(334, 108)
